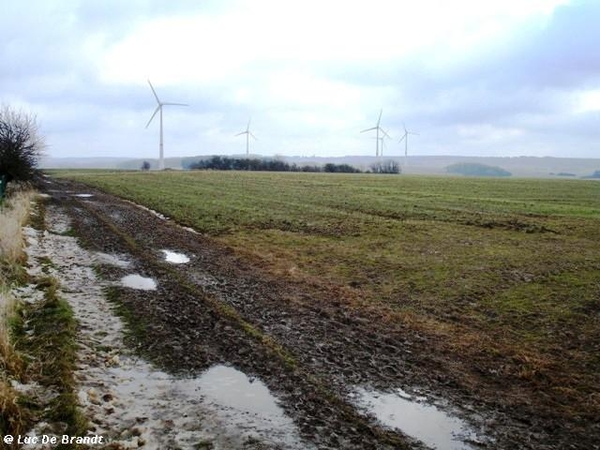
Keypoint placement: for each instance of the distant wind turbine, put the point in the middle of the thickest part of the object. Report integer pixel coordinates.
(405, 139)
(159, 108)
(248, 133)
(377, 128)
(382, 140)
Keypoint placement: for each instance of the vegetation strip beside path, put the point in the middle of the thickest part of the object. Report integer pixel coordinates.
(38, 336)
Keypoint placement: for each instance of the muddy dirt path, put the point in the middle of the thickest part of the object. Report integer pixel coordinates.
(127, 401)
(331, 367)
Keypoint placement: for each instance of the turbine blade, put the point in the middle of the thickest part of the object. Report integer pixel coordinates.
(243, 132)
(369, 129)
(252, 135)
(175, 104)
(410, 132)
(154, 92)
(379, 120)
(383, 131)
(248, 127)
(155, 111)
(402, 139)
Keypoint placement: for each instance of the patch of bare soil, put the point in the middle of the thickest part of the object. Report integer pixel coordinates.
(303, 340)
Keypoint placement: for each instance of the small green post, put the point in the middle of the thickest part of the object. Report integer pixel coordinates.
(3, 183)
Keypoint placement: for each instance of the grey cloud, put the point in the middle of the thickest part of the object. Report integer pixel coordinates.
(527, 74)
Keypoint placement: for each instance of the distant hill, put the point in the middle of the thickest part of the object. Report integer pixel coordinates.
(522, 166)
(477, 170)
(81, 163)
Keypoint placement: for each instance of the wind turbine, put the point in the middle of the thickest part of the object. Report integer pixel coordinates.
(377, 128)
(382, 140)
(248, 133)
(161, 161)
(405, 139)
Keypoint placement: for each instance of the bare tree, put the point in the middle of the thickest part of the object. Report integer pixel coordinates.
(389, 166)
(20, 145)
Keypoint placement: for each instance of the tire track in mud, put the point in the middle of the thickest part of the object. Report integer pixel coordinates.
(184, 328)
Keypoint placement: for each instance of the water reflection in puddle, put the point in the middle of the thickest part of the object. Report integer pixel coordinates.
(83, 195)
(175, 258)
(232, 409)
(232, 388)
(247, 404)
(424, 422)
(111, 260)
(138, 282)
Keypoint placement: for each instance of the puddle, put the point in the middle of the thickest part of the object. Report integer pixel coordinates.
(138, 282)
(420, 420)
(175, 258)
(83, 195)
(247, 404)
(222, 403)
(111, 260)
(232, 388)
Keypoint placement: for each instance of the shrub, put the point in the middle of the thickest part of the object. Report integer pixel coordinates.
(389, 166)
(20, 145)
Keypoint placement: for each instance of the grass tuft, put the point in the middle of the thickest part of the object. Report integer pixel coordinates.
(13, 215)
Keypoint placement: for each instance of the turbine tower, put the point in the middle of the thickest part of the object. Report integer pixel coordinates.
(248, 133)
(382, 140)
(377, 128)
(405, 139)
(159, 108)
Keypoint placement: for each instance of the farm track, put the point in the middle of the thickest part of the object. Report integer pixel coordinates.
(305, 341)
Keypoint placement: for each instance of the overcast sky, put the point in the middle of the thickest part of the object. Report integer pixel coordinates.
(472, 77)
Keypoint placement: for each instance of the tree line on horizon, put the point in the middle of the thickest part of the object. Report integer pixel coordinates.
(277, 165)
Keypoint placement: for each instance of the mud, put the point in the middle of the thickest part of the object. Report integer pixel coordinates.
(304, 341)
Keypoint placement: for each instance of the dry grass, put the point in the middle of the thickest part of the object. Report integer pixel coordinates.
(13, 215)
(10, 362)
(12, 416)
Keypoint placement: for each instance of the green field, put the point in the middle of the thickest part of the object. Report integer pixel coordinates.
(495, 267)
